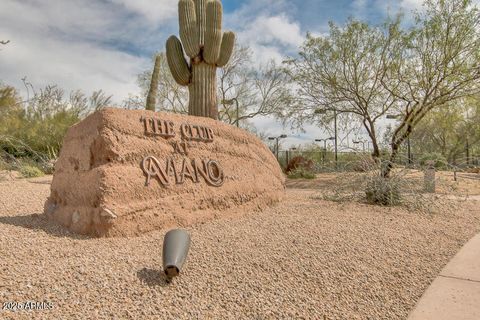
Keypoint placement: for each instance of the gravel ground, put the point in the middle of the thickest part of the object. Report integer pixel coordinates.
(304, 258)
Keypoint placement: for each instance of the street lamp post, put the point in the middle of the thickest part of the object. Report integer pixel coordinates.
(325, 146)
(283, 136)
(335, 114)
(290, 152)
(362, 142)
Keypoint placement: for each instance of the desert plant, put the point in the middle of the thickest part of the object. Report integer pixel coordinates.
(301, 173)
(383, 191)
(208, 48)
(438, 160)
(30, 171)
(152, 92)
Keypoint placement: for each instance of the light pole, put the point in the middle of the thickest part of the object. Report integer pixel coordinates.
(325, 146)
(409, 148)
(283, 136)
(362, 142)
(335, 114)
(229, 103)
(290, 152)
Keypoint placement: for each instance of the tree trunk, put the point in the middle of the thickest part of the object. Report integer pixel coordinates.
(387, 169)
(370, 126)
(396, 143)
(203, 91)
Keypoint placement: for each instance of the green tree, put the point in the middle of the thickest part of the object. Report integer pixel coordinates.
(438, 63)
(343, 72)
(36, 128)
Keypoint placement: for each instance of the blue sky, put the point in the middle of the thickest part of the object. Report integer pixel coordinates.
(104, 44)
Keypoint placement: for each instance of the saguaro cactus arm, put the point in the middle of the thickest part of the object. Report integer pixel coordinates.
(188, 27)
(213, 34)
(228, 42)
(176, 62)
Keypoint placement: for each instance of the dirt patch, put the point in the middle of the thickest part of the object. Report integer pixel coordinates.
(123, 173)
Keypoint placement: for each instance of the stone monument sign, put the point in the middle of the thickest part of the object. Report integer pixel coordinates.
(123, 172)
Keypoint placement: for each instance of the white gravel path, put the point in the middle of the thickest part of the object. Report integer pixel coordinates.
(304, 258)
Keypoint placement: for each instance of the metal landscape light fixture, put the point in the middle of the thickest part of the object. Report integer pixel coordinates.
(175, 249)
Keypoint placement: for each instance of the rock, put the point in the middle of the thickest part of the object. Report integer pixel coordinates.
(124, 173)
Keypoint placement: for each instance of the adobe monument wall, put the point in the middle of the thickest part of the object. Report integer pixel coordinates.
(123, 173)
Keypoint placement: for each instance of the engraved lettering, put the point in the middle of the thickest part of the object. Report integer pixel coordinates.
(209, 170)
(181, 148)
(157, 127)
(171, 170)
(151, 167)
(196, 133)
(215, 173)
(187, 171)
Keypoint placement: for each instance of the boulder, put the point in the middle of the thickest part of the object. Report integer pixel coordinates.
(123, 173)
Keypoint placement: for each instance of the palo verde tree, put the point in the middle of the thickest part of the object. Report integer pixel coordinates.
(343, 72)
(438, 62)
(452, 131)
(207, 47)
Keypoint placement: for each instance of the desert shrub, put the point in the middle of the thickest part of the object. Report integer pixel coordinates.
(299, 162)
(3, 165)
(363, 163)
(383, 191)
(301, 173)
(30, 171)
(403, 188)
(439, 161)
(35, 129)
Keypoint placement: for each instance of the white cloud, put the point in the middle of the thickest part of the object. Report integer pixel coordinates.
(73, 66)
(411, 4)
(154, 10)
(273, 30)
(278, 28)
(63, 43)
(359, 4)
(270, 37)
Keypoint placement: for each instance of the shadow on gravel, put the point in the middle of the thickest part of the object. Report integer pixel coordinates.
(38, 222)
(153, 278)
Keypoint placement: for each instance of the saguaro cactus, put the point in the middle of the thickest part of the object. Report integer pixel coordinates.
(152, 92)
(206, 46)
